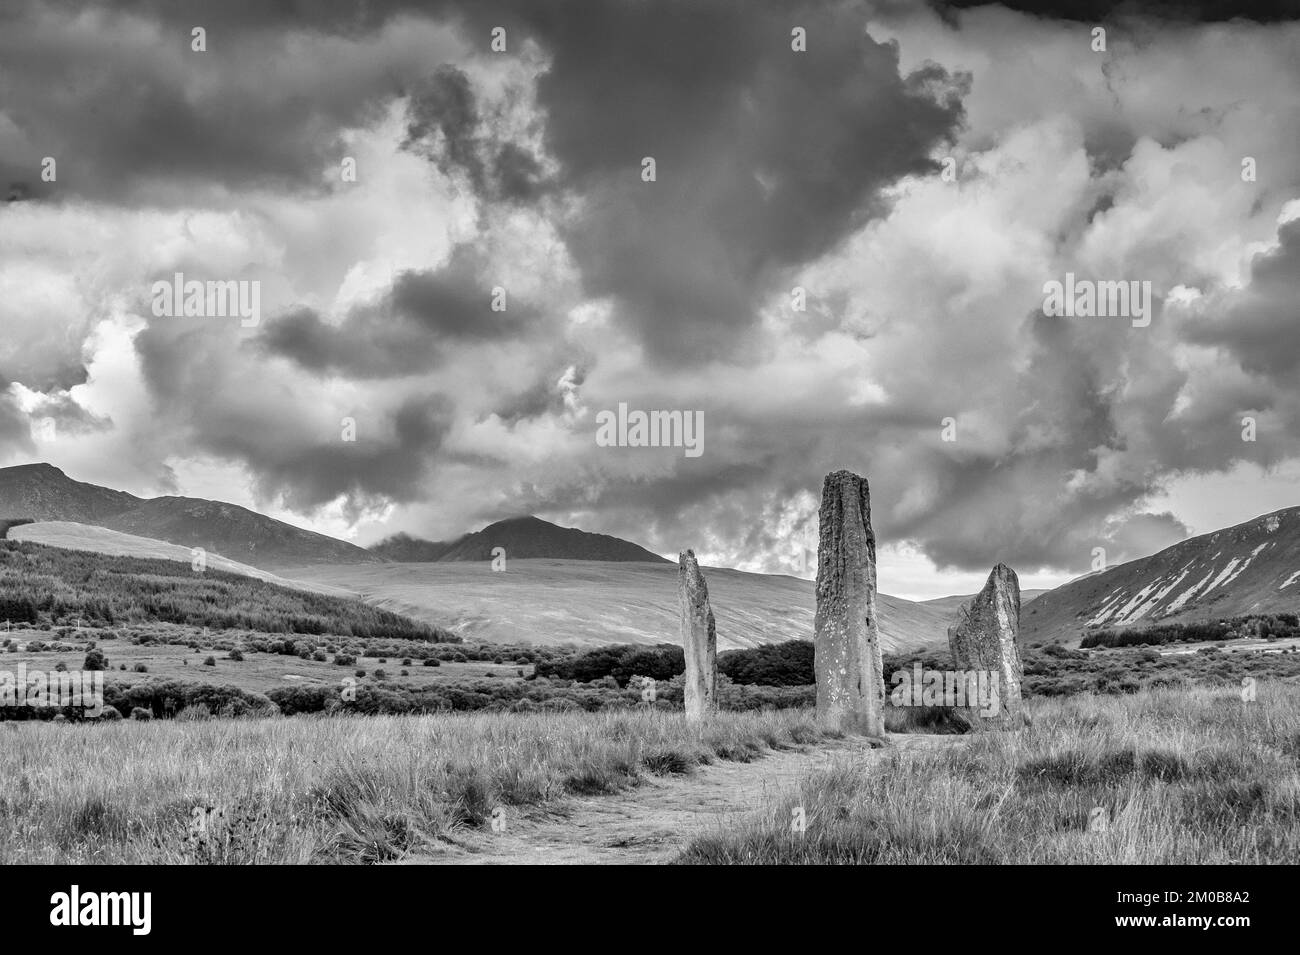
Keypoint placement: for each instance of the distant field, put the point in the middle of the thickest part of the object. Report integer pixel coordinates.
(257, 672)
(588, 602)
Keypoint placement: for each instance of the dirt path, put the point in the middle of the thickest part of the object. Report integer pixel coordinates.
(655, 821)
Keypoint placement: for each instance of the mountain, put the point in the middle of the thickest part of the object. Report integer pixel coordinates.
(44, 493)
(234, 532)
(405, 549)
(1247, 569)
(950, 605)
(520, 538)
(587, 602)
(100, 540)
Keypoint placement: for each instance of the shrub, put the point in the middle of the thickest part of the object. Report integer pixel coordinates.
(361, 673)
(140, 668)
(236, 655)
(210, 662)
(345, 659)
(433, 662)
(140, 713)
(320, 656)
(111, 713)
(95, 660)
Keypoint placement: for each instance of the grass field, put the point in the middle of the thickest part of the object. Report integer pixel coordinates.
(338, 790)
(1175, 776)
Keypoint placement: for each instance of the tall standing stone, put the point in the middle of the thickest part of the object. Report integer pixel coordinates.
(984, 639)
(699, 641)
(850, 679)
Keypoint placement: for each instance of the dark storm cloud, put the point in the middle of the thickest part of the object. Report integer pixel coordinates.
(294, 457)
(307, 475)
(1095, 11)
(114, 93)
(409, 330)
(68, 416)
(1259, 324)
(444, 124)
(766, 158)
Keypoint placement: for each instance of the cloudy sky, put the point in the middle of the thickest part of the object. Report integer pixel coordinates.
(920, 170)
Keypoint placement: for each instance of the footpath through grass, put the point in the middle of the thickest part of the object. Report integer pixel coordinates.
(1192, 776)
(329, 789)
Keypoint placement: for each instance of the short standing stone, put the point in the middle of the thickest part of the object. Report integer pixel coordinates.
(850, 681)
(699, 641)
(984, 640)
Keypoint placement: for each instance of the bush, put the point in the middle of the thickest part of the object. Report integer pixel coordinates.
(345, 659)
(140, 713)
(140, 668)
(236, 655)
(433, 662)
(95, 660)
(199, 711)
(210, 662)
(111, 713)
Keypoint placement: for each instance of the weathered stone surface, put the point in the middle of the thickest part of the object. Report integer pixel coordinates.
(850, 680)
(984, 638)
(699, 641)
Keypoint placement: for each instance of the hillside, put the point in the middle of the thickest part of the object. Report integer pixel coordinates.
(520, 538)
(102, 540)
(58, 586)
(950, 605)
(588, 603)
(233, 531)
(1247, 569)
(42, 492)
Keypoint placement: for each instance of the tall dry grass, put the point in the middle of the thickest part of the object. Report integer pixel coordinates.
(1177, 776)
(329, 789)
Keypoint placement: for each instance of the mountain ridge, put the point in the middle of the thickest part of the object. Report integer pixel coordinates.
(1248, 568)
(522, 537)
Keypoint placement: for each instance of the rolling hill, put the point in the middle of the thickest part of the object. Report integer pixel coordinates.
(1251, 568)
(101, 540)
(233, 531)
(44, 493)
(587, 602)
(520, 538)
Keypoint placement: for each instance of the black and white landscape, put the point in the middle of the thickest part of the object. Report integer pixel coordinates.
(617, 432)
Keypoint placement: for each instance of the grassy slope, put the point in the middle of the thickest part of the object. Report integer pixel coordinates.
(67, 585)
(586, 602)
(1184, 777)
(101, 540)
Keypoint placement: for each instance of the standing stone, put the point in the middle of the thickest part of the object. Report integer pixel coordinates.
(984, 639)
(846, 660)
(699, 641)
